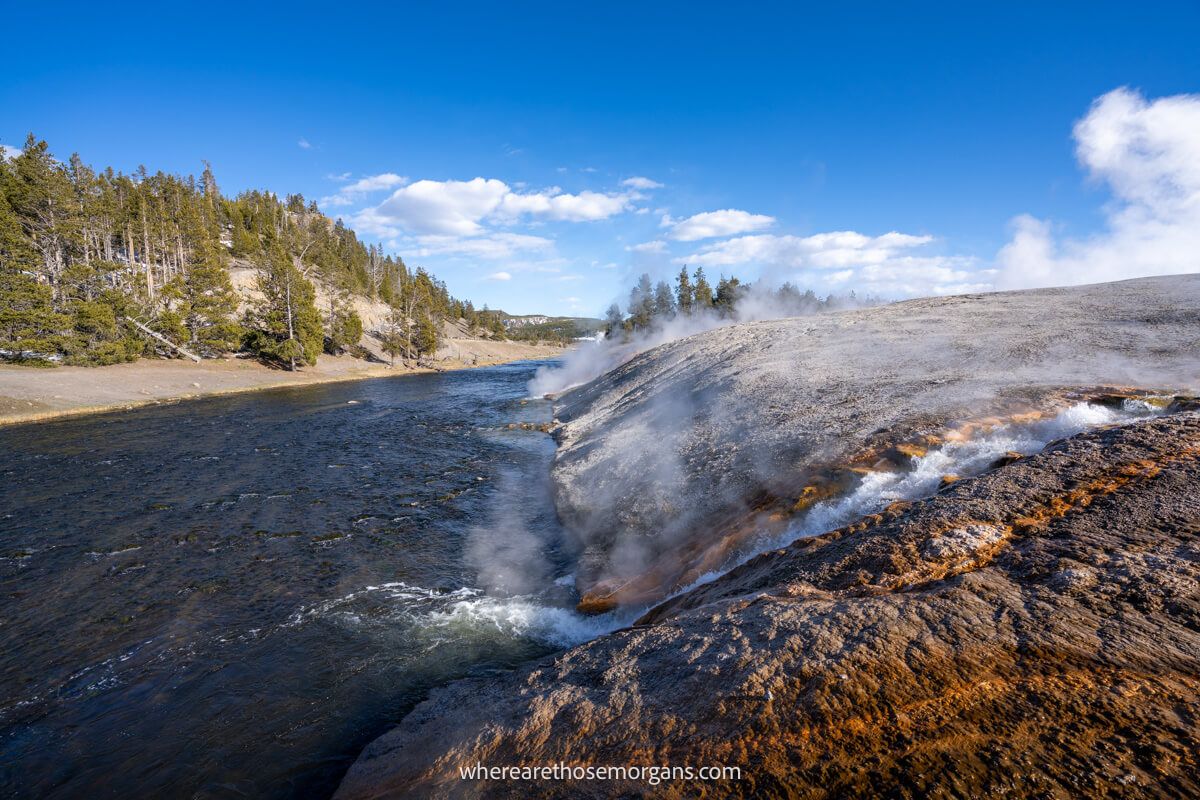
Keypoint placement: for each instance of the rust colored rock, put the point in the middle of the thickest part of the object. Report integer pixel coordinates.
(658, 450)
(1031, 632)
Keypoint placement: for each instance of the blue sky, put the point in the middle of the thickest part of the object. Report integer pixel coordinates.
(895, 150)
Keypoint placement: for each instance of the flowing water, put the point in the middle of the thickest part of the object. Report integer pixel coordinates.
(232, 596)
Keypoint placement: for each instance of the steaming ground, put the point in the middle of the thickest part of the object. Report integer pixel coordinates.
(516, 596)
(1010, 609)
(685, 432)
(592, 359)
(655, 449)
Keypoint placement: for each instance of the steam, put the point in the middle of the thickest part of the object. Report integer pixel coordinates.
(922, 476)
(594, 358)
(509, 558)
(1149, 155)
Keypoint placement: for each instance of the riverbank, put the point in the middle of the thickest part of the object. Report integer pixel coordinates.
(29, 394)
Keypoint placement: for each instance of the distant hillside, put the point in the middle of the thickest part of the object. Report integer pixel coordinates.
(548, 328)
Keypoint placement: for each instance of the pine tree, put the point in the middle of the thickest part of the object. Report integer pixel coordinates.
(702, 293)
(425, 337)
(729, 291)
(85, 255)
(641, 304)
(683, 292)
(30, 329)
(42, 197)
(203, 304)
(344, 326)
(286, 320)
(395, 338)
(664, 303)
(614, 321)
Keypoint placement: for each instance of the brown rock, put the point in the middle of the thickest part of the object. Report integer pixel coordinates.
(1032, 632)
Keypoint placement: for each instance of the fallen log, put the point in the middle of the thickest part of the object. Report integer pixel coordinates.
(159, 337)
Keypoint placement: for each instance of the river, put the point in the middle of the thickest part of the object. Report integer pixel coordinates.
(232, 596)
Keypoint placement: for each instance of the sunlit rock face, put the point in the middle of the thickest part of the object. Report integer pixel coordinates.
(1030, 632)
(677, 464)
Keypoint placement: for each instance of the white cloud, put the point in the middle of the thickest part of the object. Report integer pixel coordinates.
(640, 182)
(837, 249)
(461, 208)
(840, 260)
(1148, 153)
(917, 276)
(373, 183)
(491, 246)
(351, 193)
(9, 152)
(447, 207)
(656, 246)
(708, 224)
(500, 276)
(586, 206)
(303, 144)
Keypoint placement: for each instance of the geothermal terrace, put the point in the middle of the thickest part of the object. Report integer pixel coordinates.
(948, 544)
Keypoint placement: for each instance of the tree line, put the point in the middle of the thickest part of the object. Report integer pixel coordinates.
(98, 267)
(651, 305)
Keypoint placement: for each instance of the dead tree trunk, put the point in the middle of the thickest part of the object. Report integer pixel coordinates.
(160, 338)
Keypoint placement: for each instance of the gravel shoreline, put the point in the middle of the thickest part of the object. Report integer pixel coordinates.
(31, 394)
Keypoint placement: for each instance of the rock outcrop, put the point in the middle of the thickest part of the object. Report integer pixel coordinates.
(661, 453)
(1032, 632)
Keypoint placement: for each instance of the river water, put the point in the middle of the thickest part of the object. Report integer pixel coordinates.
(231, 596)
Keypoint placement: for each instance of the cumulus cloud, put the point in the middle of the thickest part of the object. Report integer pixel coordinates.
(710, 224)
(823, 250)
(586, 206)
(464, 208)
(373, 183)
(446, 207)
(916, 276)
(7, 151)
(656, 246)
(496, 245)
(879, 265)
(352, 193)
(640, 182)
(1148, 153)
(500, 276)
(303, 144)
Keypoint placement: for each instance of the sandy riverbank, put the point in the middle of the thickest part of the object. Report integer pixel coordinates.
(30, 393)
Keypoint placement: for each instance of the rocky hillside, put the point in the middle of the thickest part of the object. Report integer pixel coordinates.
(1029, 628)
(1033, 632)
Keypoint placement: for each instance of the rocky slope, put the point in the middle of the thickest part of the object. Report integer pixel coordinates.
(1032, 631)
(678, 447)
